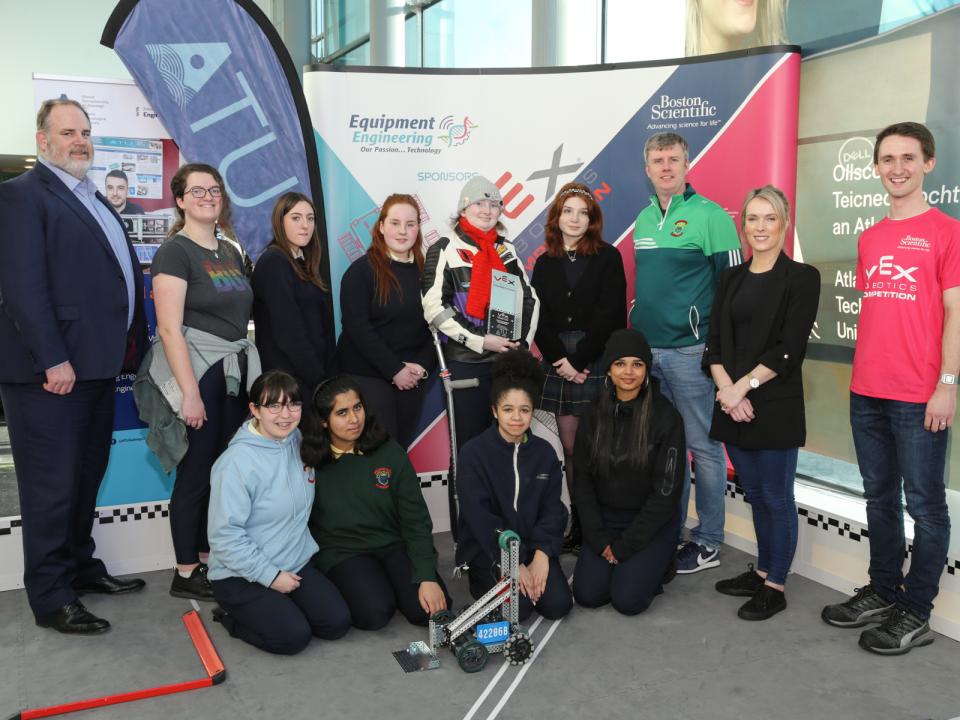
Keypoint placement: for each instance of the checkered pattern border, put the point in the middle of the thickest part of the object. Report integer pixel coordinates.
(106, 516)
(132, 513)
(855, 533)
(431, 479)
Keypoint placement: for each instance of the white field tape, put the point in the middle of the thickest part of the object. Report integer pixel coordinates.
(506, 666)
(496, 678)
(195, 605)
(523, 670)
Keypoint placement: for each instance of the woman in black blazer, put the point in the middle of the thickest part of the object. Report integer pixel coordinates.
(291, 303)
(762, 315)
(583, 299)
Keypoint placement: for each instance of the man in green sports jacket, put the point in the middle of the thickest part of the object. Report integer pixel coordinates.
(682, 242)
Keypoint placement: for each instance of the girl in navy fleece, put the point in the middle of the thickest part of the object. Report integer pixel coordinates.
(509, 479)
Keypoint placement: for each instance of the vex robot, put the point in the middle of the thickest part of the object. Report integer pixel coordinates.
(491, 624)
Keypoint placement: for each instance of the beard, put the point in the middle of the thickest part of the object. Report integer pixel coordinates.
(75, 165)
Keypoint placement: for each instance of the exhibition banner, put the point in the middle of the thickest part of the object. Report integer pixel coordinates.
(222, 82)
(381, 131)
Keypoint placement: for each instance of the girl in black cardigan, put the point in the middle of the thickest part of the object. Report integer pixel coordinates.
(582, 290)
(291, 303)
(630, 456)
(385, 345)
(762, 315)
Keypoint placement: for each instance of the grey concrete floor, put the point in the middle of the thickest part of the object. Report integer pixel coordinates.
(9, 499)
(688, 657)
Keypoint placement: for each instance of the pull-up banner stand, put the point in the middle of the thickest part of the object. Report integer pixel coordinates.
(427, 132)
(224, 86)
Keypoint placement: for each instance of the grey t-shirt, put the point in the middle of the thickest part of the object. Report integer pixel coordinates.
(219, 297)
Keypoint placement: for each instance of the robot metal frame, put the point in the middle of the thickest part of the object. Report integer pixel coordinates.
(491, 624)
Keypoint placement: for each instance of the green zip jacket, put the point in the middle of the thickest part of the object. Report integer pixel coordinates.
(680, 255)
(372, 505)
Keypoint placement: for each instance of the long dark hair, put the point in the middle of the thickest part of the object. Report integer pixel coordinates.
(616, 421)
(592, 239)
(312, 253)
(516, 370)
(178, 186)
(379, 256)
(315, 449)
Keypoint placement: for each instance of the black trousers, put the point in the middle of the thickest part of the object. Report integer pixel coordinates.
(397, 410)
(283, 623)
(375, 588)
(191, 489)
(555, 602)
(631, 584)
(61, 446)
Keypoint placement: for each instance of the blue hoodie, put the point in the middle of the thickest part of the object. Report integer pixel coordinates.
(260, 499)
(507, 486)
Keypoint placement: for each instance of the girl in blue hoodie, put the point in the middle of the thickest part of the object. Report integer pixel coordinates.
(260, 548)
(509, 479)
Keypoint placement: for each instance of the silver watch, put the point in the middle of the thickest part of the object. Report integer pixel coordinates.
(948, 379)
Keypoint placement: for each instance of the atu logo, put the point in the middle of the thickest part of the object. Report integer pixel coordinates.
(186, 68)
(457, 133)
(855, 160)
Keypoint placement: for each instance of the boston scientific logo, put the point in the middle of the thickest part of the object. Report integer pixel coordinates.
(410, 134)
(683, 108)
(855, 160)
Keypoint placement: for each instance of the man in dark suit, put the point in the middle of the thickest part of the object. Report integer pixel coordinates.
(71, 318)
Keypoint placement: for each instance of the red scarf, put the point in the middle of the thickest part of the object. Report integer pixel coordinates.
(485, 261)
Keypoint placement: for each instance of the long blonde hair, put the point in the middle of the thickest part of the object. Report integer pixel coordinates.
(769, 30)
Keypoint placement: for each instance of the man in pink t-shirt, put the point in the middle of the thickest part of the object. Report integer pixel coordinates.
(903, 394)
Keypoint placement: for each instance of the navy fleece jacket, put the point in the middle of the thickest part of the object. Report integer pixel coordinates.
(507, 486)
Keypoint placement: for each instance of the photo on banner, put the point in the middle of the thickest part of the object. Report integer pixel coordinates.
(443, 128)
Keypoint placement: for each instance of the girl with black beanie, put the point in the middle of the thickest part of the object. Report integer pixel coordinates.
(628, 460)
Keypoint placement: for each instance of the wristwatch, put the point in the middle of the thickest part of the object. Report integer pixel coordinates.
(948, 379)
(754, 383)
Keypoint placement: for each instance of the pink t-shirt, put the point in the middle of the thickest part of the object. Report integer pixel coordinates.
(903, 267)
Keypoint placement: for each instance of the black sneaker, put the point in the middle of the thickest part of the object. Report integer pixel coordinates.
(743, 585)
(866, 606)
(195, 587)
(900, 632)
(765, 603)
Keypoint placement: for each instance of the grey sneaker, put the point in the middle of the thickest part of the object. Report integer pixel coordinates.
(900, 632)
(866, 606)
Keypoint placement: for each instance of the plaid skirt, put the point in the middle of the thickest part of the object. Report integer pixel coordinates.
(562, 397)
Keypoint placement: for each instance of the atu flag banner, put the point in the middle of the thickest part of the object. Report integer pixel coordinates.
(224, 86)
(426, 132)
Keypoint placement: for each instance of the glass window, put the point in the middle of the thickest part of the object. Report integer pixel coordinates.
(493, 33)
(343, 22)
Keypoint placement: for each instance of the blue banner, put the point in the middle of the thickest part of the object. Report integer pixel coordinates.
(224, 86)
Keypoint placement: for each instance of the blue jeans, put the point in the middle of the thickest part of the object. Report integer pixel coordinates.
(692, 393)
(894, 452)
(767, 477)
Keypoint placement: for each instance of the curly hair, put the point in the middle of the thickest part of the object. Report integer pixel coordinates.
(516, 370)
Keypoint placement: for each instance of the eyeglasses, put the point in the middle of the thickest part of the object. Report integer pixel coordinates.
(200, 192)
(293, 406)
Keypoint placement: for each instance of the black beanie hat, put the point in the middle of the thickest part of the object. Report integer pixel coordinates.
(626, 342)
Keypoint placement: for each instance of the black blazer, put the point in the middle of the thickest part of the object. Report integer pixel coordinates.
(778, 340)
(597, 305)
(62, 292)
(293, 321)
